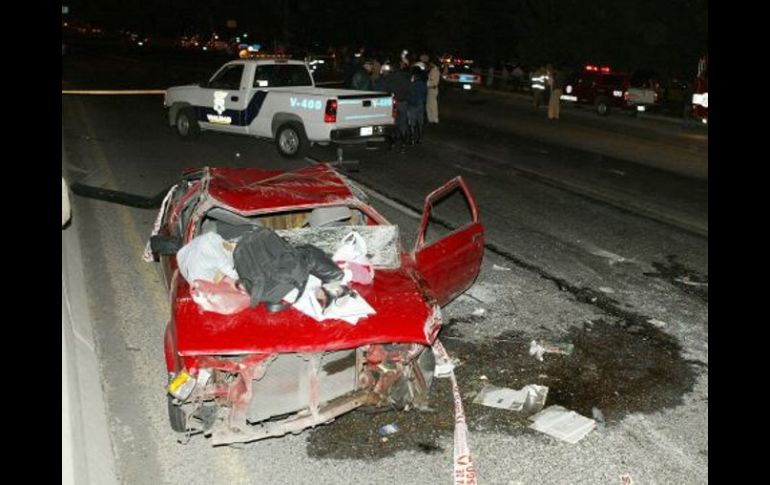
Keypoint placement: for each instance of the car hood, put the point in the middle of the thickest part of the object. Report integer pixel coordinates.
(403, 315)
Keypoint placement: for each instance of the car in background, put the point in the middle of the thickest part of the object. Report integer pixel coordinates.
(257, 373)
(605, 90)
(460, 75)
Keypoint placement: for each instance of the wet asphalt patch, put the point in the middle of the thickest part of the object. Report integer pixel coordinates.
(619, 367)
(686, 279)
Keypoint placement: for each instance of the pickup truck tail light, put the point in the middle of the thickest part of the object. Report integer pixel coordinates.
(330, 115)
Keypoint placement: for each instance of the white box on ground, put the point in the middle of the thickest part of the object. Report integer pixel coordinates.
(562, 424)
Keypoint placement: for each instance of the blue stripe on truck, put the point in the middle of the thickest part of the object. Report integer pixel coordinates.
(240, 117)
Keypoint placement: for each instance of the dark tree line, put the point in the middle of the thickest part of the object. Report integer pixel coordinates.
(668, 35)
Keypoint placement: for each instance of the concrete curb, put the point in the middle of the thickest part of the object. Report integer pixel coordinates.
(87, 454)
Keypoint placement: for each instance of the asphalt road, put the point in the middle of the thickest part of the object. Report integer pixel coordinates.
(586, 244)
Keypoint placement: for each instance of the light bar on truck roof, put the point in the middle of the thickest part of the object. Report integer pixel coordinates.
(246, 54)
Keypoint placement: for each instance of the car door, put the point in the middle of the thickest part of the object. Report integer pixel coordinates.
(450, 264)
(223, 100)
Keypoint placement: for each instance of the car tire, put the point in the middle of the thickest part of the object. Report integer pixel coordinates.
(602, 106)
(291, 140)
(187, 126)
(176, 416)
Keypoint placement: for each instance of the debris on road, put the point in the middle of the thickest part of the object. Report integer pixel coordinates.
(388, 429)
(657, 323)
(500, 268)
(530, 398)
(606, 289)
(687, 281)
(625, 479)
(537, 350)
(612, 258)
(562, 424)
(479, 312)
(599, 418)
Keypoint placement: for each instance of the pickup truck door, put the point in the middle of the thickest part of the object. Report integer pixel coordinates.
(222, 102)
(450, 264)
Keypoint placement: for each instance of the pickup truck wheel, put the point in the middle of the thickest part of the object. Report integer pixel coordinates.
(291, 141)
(187, 125)
(176, 416)
(602, 106)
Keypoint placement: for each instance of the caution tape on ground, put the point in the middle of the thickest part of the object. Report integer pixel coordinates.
(113, 91)
(464, 471)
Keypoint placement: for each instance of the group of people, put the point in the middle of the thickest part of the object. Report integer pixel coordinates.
(414, 85)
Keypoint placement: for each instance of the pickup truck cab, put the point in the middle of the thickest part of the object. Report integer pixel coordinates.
(278, 99)
(604, 90)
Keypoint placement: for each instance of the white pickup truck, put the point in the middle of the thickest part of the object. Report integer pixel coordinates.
(278, 99)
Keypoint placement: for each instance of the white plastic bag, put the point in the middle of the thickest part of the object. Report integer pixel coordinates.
(352, 259)
(206, 258)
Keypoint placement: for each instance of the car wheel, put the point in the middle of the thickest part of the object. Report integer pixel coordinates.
(187, 125)
(176, 416)
(291, 141)
(602, 106)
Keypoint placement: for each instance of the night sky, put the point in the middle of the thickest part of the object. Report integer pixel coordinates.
(661, 34)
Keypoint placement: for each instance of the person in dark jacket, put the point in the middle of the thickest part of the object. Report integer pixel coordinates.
(418, 94)
(398, 83)
(362, 80)
(687, 92)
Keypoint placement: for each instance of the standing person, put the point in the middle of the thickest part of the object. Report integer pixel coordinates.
(539, 86)
(348, 66)
(398, 84)
(418, 94)
(376, 68)
(518, 76)
(434, 77)
(556, 81)
(381, 84)
(687, 105)
(361, 80)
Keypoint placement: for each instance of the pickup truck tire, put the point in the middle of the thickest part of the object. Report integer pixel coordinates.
(602, 106)
(187, 125)
(291, 140)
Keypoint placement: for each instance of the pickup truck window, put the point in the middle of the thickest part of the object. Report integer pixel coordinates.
(228, 78)
(282, 75)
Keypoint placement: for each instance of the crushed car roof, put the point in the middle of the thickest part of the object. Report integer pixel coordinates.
(253, 189)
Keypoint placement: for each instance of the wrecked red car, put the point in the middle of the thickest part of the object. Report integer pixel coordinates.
(258, 373)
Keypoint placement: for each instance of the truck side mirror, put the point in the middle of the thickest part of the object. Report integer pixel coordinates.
(165, 244)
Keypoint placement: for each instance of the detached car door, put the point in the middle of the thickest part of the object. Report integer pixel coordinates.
(449, 264)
